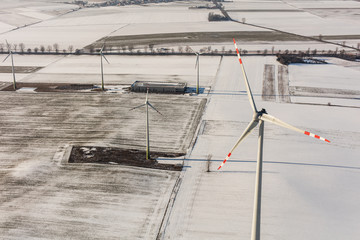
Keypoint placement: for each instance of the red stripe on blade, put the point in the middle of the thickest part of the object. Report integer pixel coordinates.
(307, 133)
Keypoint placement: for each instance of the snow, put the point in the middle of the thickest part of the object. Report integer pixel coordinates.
(128, 69)
(329, 75)
(309, 187)
(313, 181)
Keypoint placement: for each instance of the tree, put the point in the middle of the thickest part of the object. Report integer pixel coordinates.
(49, 48)
(70, 48)
(22, 47)
(29, 50)
(272, 49)
(151, 46)
(1, 47)
(36, 49)
(131, 47)
(56, 47)
(42, 48)
(180, 49)
(15, 47)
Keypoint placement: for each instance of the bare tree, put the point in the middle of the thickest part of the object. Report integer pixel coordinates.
(22, 47)
(70, 48)
(131, 47)
(146, 48)
(36, 49)
(49, 48)
(56, 47)
(180, 49)
(15, 46)
(42, 48)
(151, 46)
(1, 47)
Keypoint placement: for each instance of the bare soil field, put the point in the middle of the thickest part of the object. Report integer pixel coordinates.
(192, 37)
(42, 198)
(129, 157)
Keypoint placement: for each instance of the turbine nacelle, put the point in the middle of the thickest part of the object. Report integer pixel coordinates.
(261, 115)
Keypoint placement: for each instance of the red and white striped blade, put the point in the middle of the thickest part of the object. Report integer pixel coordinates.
(247, 131)
(248, 89)
(272, 119)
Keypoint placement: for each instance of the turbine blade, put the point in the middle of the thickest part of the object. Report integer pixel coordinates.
(247, 131)
(197, 61)
(105, 58)
(248, 90)
(6, 58)
(137, 107)
(154, 108)
(272, 119)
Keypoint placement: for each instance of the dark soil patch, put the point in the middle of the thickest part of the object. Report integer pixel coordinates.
(192, 37)
(287, 59)
(128, 157)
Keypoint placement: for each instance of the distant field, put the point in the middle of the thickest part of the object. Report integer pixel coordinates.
(193, 37)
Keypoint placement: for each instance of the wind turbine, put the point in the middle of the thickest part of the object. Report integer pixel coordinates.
(147, 104)
(12, 63)
(197, 66)
(259, 117)
(102, 70)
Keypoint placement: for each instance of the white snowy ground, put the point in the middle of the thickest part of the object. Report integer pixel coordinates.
(121, 70)
(36, 24)
(26, 61)
(302, 21)
(309, 186)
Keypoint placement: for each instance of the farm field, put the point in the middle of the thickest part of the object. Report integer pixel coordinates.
(309, 186)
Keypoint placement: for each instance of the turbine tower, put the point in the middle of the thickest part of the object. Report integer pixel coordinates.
(12, 63)
(197, 67)
(102, 70)
(147, 104)
(259, 117)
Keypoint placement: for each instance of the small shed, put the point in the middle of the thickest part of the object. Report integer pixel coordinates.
(159, 87)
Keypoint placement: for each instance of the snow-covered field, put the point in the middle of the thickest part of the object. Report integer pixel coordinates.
(309, 187)
(121, 70)
(302, 20)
